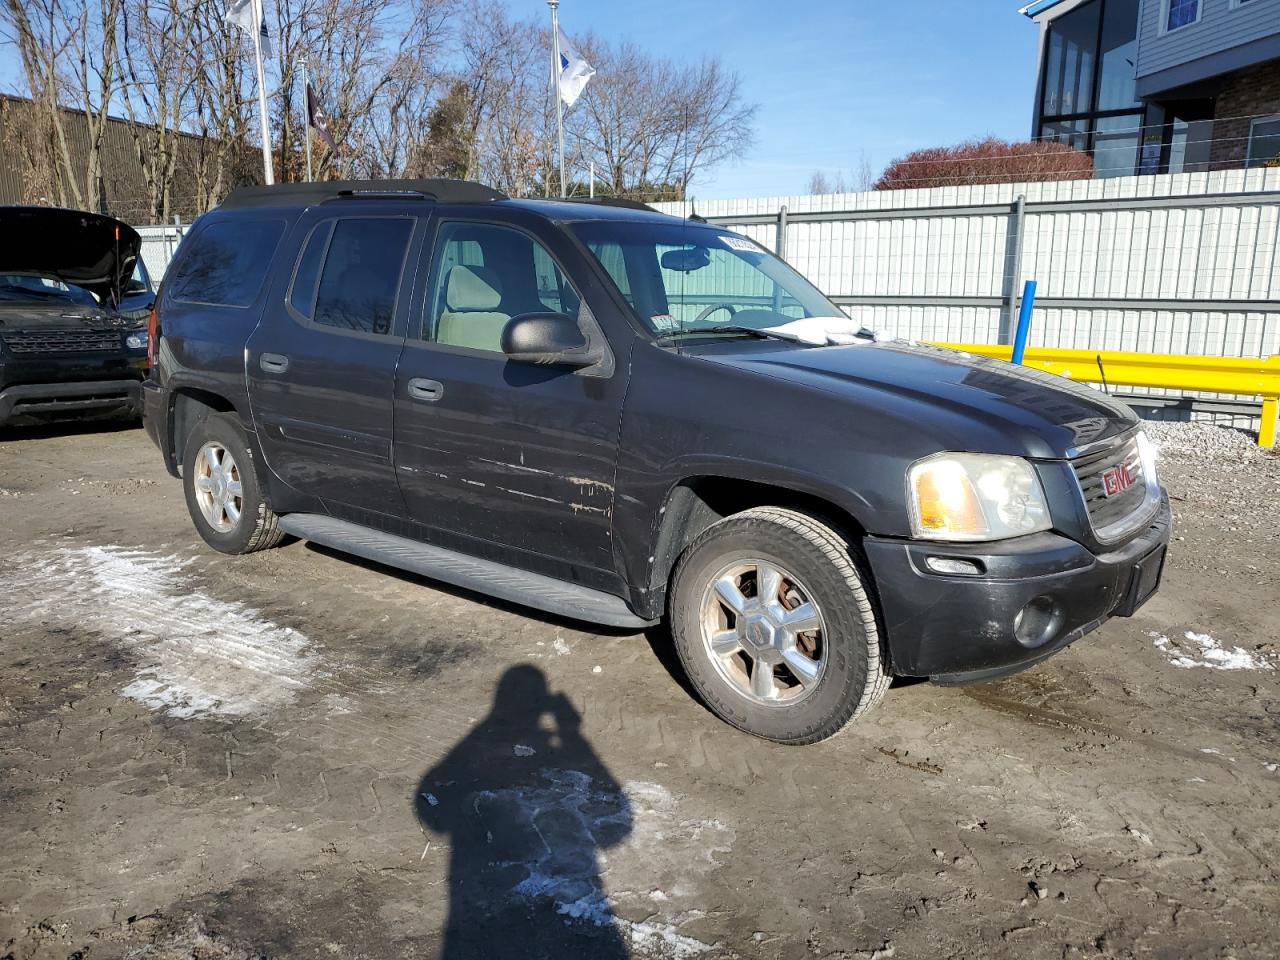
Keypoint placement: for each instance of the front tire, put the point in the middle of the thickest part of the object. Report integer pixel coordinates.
(774, 626)
(223, 495)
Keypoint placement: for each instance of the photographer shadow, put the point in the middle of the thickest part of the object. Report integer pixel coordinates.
(526, 805)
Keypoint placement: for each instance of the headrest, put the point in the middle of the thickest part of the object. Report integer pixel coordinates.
(472, 288)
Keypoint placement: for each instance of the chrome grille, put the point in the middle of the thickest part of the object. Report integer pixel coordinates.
(1108, 514)
(62, 341)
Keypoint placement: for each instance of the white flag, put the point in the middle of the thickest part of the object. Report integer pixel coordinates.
(574, 71)
(241, 13)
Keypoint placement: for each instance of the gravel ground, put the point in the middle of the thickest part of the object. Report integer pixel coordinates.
(295, 755)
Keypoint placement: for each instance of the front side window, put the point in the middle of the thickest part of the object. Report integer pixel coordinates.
(227, 263)
(1181, 13)
(682, 275)
(485, 274)
(361, 274)
(1264, 142)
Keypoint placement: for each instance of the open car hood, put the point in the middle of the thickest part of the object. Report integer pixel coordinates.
(87, 249)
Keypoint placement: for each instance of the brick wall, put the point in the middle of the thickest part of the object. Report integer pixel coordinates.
(1248, 93)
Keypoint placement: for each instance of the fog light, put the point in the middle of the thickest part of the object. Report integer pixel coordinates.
(1038, 622)
(953, 567)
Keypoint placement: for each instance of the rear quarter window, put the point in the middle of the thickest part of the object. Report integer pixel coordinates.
(227, 263)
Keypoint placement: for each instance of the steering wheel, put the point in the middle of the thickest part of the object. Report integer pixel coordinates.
(713, 308)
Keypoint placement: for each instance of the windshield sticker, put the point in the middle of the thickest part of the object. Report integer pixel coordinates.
(740, 243)
(662, 322)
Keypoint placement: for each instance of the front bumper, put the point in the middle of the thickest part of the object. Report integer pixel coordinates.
(53, 399)
(963, 629)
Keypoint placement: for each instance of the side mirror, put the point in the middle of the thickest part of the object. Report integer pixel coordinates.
(550, 339)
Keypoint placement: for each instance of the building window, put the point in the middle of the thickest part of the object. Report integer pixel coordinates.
(1180, 13)
(1089, 87)
(1264, 142)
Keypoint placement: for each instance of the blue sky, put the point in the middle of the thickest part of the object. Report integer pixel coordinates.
(834, 78)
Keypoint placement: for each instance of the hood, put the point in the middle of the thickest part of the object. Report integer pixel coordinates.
(977, 404)
(87, 249)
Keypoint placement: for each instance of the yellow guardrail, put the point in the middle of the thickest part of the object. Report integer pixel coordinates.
(1245, 376)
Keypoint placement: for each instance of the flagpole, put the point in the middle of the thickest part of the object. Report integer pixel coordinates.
(306, 112)
(555, 85)
(262, 94)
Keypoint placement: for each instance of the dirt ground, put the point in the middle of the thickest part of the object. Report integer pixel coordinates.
(296, 755)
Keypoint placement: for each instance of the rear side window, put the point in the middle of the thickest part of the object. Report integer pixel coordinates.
(227, 263)
(361, 273)
(302, 293)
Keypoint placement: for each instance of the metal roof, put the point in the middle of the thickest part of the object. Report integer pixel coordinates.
(1038, 7)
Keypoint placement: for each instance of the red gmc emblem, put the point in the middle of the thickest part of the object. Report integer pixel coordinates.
(1117, 480)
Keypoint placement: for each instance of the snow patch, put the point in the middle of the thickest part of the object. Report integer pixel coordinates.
(197, 656)
(1202, 650)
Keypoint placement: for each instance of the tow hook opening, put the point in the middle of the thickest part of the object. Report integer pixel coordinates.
(1038, 622)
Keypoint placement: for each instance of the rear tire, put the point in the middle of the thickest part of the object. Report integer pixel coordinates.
(221, 485)
(775, 628)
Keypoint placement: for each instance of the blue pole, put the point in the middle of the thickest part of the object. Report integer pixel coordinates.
(1024, 321)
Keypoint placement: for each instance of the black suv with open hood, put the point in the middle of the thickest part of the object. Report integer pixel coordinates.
(65, 345)
(619, 416)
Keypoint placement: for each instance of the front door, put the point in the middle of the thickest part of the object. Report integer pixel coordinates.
(505, 460)
(321, 365)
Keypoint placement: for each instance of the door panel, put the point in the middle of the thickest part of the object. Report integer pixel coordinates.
(321, 366)
(508, 460)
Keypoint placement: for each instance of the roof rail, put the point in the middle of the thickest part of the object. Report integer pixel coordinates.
(293, 194)
(611, 202)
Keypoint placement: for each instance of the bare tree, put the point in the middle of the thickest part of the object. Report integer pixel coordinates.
(38, 29)
(400, 99)
(859, 179)
(652, 125)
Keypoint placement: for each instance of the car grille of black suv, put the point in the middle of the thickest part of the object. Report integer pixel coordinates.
(1108, 514)
(62, 341)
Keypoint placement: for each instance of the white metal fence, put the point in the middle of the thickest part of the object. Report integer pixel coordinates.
(158, 246)
(1184, 263)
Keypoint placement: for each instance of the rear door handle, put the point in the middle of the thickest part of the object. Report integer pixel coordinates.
(421, 389)
(274, 362)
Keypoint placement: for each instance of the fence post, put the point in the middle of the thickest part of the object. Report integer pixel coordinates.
(1267, 427)
(780, 234)
(1024, 321)
(1012, 274)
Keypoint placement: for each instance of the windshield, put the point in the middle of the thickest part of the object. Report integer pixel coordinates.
(21, 288)
(678, 276)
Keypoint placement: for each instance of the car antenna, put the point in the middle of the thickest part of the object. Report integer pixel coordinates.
(693, 213)
(1106, 387)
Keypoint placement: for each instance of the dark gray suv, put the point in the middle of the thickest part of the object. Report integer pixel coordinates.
(618, 416)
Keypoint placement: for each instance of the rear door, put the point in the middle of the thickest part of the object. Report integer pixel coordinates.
(321, 365)
(506, 460)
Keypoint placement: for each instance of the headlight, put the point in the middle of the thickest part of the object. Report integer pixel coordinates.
(975, 496)
(136, 340)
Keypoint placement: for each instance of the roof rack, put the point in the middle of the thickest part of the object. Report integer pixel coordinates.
(612, 202)
(293, 194)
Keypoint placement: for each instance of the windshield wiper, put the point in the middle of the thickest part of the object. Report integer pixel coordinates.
(730, 328)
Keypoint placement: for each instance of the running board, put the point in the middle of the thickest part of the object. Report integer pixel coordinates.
(482, 576)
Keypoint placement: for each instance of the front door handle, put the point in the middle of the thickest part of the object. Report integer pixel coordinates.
(421, 389)
(274, 362)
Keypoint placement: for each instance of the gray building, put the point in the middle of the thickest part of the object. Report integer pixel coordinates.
(1160, 86)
